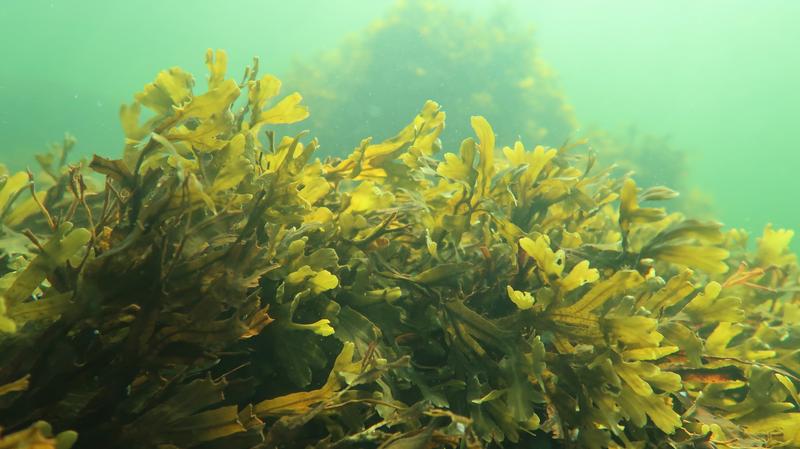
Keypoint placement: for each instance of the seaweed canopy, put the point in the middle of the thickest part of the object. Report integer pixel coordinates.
(224, 290)
(428, 49)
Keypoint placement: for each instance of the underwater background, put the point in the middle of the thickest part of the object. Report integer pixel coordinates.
(720, 80)
(405, 224)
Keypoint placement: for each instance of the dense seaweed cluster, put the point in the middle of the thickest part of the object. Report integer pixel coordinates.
(226, 289)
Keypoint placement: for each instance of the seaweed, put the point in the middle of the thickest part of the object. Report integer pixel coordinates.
(431, 49)
(223, 287)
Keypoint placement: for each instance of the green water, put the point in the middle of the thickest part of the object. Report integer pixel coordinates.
(721, 78)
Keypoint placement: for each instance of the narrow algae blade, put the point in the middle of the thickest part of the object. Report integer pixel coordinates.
(303, 402)
(630, 212)
(486, 166)
(56, 252)
(10, 189)
(217, 63)
(20, 384)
